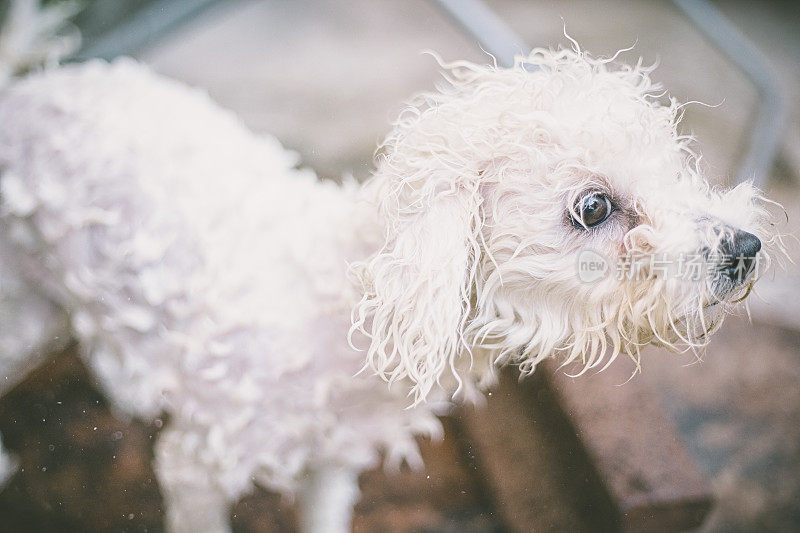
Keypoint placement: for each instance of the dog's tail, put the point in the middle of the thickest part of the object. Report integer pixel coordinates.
(33, 34)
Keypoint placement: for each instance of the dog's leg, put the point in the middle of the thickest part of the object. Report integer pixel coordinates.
(8, 465)
(193, 499)
(326, 500)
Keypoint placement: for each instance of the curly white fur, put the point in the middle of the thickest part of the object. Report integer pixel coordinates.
(475, 184)
(205, 276)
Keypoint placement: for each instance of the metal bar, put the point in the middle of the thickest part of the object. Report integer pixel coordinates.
(493, 35)
(769, 123)
(145, 27)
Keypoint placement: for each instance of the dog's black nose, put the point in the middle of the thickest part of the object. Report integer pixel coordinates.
(739, 255)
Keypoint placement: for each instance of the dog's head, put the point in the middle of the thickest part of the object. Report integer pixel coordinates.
(549, 209)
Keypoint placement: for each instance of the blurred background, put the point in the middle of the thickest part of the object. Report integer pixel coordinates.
(326, 77)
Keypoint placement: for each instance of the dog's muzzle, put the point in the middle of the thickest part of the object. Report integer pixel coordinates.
(739, 256)
(734, 265)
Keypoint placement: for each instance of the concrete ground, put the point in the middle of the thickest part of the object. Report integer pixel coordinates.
(326, 76)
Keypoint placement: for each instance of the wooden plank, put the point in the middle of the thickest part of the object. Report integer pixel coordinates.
(635, 447)
(447, 495)
(585, 454)
(533, 463)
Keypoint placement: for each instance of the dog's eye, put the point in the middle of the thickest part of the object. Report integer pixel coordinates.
(592, 210)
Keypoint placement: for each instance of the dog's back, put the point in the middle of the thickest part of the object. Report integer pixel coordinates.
(203, 274)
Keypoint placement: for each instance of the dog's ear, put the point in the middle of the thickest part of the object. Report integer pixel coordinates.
(417, 287)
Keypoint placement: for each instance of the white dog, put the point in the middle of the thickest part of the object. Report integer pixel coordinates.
(206, 277)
